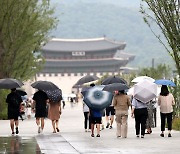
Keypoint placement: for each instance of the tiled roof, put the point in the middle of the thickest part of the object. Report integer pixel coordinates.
(69, 45)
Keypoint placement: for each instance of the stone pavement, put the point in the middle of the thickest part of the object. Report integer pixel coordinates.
(73, 139)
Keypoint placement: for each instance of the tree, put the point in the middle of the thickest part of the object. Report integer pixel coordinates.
(159, 72)
(24, 28)
(166, 14)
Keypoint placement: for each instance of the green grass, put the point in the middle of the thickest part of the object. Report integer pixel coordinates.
(176, 124)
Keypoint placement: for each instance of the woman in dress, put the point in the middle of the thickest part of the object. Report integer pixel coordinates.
(54, 113)
(150, 118)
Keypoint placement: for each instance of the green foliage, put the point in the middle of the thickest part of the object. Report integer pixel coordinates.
(24, 28)
(176, 93)
(166, 16)
(159, 72)
(3, 105)
(176, 124)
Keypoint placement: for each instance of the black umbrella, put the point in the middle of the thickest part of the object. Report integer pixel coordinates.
(84, 90)
(113, 79)
(115, 87)
(86, 79)
(55, 95)
(44, 85)
(21, 92)
(10, 83)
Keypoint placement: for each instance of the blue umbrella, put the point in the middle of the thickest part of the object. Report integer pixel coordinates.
(97, 99)
(165, 82)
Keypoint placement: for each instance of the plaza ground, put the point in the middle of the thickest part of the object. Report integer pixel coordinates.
(73, 139)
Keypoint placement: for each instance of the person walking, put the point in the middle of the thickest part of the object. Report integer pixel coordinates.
(121, 103)
(87, 121)
(54, 113)
(139, 111)
(150, 118)
(110, 112)
(40, 102)
(166, 102)
(28, 110)
(96, 118)
(14, 101)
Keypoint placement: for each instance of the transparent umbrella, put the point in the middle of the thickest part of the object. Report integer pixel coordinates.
(145, 91)
(141, 78)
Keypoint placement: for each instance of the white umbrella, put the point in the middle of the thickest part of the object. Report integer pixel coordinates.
(141, 78)
(145, 91)
(131, 91)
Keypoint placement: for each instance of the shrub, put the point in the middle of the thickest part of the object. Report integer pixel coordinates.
(176, 124)
(3, 104)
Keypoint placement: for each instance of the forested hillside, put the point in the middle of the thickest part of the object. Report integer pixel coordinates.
(115, 19)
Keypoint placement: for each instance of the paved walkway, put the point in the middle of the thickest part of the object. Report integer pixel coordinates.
(72, 139)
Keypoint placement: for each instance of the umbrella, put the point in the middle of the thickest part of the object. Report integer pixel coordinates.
(10, 83)
(87, 78)
(113, 79)
(115, 87)
(97, 99)
(141, 78)
(130, 91)
(21, 92)
(84, 90)
(145, 91)
(165, 82)
(54, 95)
(44, 85)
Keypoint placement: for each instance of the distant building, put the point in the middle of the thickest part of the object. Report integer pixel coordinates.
(67, 60)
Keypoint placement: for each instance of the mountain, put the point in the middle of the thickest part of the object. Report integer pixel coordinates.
(116, 19)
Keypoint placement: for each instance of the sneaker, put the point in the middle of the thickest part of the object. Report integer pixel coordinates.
(137, 135)
(162, 135)
(13, 133)
(85, 130)
(107, 126)
(39, 129)
(17, 131)
(97, 135)
(92, 135)
(142, 136)
(110, 127)
(169, 135)
(118, 136)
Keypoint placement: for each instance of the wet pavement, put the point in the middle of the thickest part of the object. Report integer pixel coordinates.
(72, 138)
(19, 145)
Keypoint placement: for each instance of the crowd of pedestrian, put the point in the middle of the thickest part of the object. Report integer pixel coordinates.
(143, 113)
(44, 107)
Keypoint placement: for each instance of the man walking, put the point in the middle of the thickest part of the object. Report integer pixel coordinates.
(40, 105)
(14, 101)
